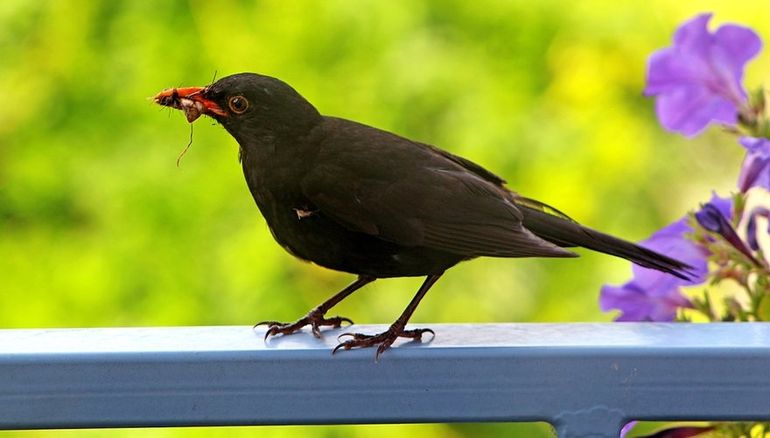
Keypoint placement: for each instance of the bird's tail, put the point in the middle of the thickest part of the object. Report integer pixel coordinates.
(563, 231)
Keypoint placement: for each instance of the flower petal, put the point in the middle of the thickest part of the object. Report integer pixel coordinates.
(755, 171)
(693, 36)
(739, 42)
(688, 110)
(664, 72)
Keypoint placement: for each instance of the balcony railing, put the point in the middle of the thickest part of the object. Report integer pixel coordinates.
(585, 379)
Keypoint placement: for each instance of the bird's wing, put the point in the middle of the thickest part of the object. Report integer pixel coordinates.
(409, 195)
(467, 164)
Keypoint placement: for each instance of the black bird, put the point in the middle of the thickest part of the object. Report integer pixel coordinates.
(358, 199)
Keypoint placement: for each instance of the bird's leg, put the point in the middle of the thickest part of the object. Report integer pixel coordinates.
(315, 318)
(396, 330)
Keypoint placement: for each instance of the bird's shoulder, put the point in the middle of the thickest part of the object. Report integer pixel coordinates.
(367, 148)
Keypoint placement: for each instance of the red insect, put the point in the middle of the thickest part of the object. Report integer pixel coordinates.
(189, 100)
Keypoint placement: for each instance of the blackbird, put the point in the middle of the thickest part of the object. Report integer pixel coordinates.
(358, 199)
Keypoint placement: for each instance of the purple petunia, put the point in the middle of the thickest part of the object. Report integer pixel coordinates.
(755, 171)
(698, 79)
(653, 295)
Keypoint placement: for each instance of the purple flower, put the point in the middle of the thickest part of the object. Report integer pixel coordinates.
(698, 79)
(653, 295)
(755, 170)
(724, 205)
(711, 218)
(751, 226)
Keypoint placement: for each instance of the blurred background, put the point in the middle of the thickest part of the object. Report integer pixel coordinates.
(99, 227)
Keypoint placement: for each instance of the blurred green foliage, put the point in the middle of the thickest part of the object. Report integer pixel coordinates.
(98, 227)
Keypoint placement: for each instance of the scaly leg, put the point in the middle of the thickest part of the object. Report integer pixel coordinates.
(315, 318)
(396, 330)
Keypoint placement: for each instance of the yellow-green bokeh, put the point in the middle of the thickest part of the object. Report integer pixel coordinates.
(98, 227)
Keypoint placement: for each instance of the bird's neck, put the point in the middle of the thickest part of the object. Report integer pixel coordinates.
(266, 149)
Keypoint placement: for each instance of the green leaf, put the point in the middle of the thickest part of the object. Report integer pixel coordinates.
(763, 309)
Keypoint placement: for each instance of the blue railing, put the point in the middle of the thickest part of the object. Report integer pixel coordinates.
(585, 379)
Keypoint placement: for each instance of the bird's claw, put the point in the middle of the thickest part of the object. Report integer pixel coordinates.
(314, 319)
(383, 340)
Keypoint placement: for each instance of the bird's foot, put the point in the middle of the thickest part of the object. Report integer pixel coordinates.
(315, 319)
(383, 340)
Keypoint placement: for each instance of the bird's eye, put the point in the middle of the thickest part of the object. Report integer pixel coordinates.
(238, 104)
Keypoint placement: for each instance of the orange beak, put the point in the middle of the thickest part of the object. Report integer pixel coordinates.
(190, 100)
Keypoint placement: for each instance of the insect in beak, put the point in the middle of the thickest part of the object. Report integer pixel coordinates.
(191, 101)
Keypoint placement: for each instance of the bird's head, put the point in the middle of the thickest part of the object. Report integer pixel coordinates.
(248, 105)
